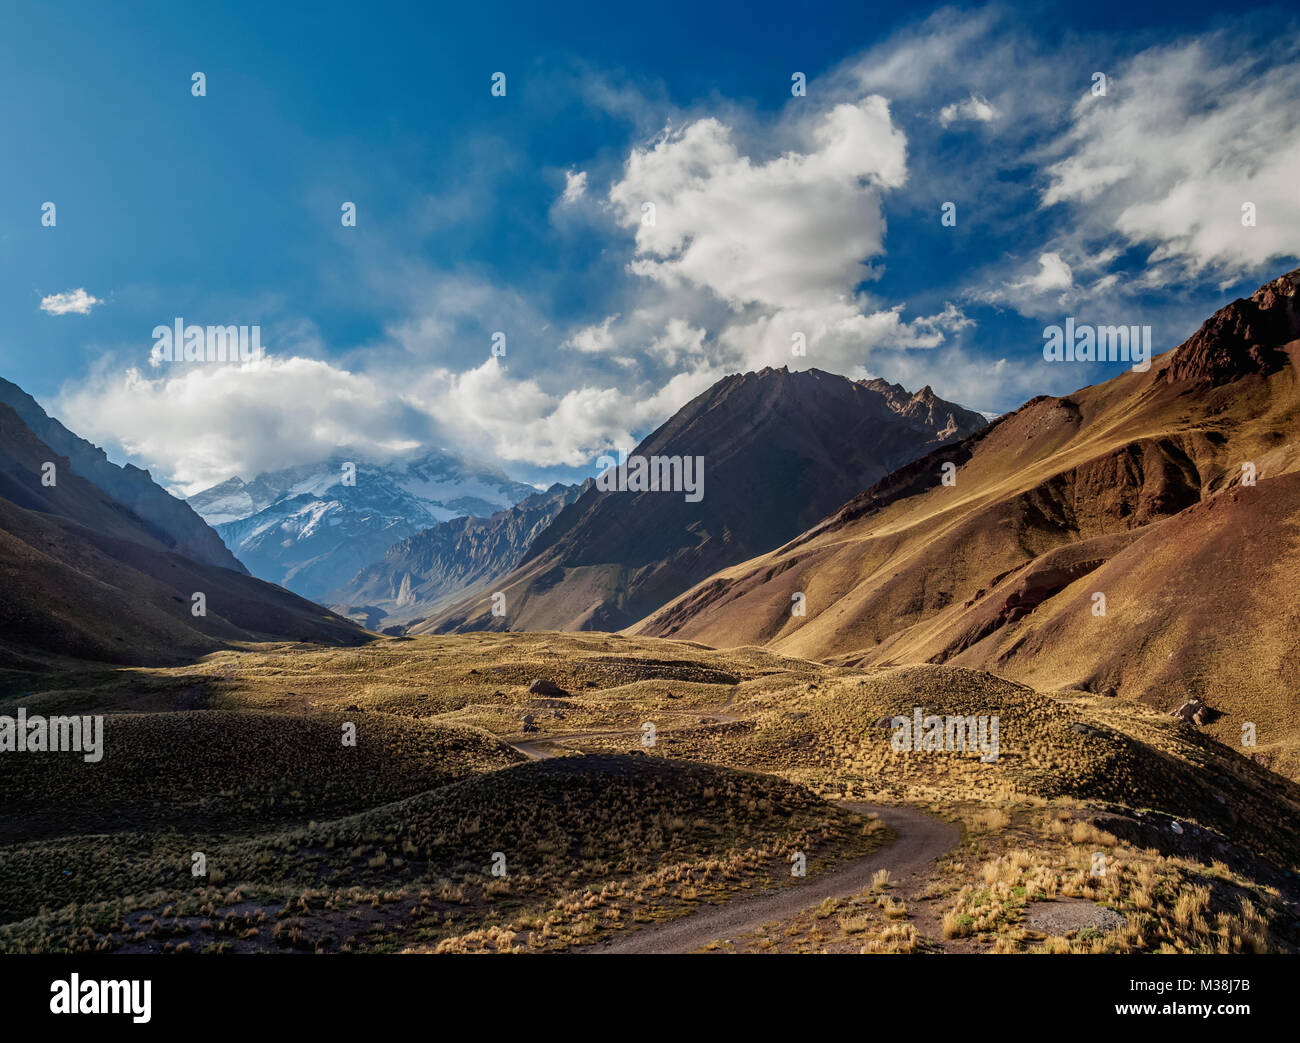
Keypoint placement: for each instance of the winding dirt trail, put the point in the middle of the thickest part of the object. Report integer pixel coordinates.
(920, 840)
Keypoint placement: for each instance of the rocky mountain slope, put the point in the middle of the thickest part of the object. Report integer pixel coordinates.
(453, 558)
(86, 578)
(1137, 537)
(172, 520)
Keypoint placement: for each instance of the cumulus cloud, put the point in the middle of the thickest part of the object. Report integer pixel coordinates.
(791, 231)
(841, 339)
(594, 340)
(679, 341)
(200, 424)
(1054, 282)
(69, 302)
(517, 420)
(1053, 274)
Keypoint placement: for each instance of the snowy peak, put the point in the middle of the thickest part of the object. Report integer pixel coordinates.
(312, 527)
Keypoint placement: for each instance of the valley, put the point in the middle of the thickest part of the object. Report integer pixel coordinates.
(310, 845)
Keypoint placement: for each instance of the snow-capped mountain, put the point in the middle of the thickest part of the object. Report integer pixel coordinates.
(313, 527)
(449, 559)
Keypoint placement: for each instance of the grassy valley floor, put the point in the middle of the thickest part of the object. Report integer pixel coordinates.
(649, 780)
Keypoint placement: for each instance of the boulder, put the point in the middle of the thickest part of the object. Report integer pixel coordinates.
(1195, 711)
(541, 686)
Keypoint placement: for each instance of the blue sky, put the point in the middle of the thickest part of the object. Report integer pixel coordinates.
(775, 214)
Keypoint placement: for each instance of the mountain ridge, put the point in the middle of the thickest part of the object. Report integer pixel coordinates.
(86, 578)
(454, 558)
(781, 449)
(172, 519)
(1059, 500)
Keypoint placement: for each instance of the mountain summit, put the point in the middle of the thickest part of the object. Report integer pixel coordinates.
(1244, 337)
(779, 449)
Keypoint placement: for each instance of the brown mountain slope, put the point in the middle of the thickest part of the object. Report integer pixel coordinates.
(170, 520)
(780, 450)
(1114, 489)
(84, 577)
(1202, 604)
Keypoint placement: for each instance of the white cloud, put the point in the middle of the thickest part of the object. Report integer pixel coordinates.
(975, 109)
(1055, 283)
(974, 381)
(840, 338)
(1185, 135)
(791, 231)
(516, 420)
(205, 422)
(69, 302)
(594, 340)
(575, 186)
(200, 424)
(679, 340)
(1053, 274)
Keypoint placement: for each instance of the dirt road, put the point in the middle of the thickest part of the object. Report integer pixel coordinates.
(921, 839)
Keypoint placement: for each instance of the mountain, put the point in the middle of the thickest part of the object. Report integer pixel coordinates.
(86, 578)
(779, 451)
(170, 519)
(452, 558)
(1174, 494)
(308, 530)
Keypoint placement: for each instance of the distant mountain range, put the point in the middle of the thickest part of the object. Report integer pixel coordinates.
(307, 529)
(780, 450)
(452, 559)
